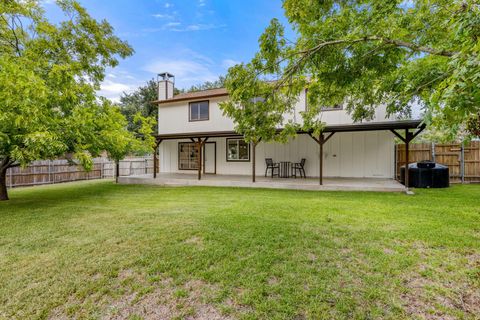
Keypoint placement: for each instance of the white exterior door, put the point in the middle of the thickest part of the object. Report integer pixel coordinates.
(209, 157)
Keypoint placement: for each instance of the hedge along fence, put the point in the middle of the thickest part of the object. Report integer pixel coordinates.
(58, 171)
(463, 161)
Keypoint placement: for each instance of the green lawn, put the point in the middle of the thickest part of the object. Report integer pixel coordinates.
(100, 250)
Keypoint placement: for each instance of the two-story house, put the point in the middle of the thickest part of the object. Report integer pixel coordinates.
(196, 138)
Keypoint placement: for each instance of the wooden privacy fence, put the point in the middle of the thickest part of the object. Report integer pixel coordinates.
(135, 166)
(57, 171)
(463, 161)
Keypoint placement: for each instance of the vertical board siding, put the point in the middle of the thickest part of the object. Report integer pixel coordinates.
(349, 154)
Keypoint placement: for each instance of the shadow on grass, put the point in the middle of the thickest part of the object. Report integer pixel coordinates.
(57, 195)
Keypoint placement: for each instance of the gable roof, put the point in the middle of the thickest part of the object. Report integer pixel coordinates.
(210, 93)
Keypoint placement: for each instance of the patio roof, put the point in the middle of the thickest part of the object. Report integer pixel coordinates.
(200, 139)
(366, 126)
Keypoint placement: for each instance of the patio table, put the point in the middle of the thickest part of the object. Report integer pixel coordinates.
(285, 169)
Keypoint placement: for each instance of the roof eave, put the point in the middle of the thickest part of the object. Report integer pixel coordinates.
(356, 127)
(159, 102)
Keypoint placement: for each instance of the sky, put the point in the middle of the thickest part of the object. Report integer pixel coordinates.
(196, 40)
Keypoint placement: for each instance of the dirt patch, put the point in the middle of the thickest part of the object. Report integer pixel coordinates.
(439, 291)
(196, 241)
(168, 301)
(160, 300)
(388, 251)
(312, 257)
(272, 281)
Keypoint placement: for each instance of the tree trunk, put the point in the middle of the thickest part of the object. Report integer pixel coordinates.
(117, 170)
(3, 184)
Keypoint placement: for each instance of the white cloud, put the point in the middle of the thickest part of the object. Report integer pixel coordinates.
(168, 5)
(113, 90)
(179, 27)
(188, 71)
(172, 24)
(201, 3)
(116, 83)
(163, 16)
(194, 27)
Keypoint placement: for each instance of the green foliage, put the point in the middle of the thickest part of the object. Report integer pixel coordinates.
(473, 125)
(363, 54)
(140, 101)
(49, 74)
(256, 112)
(219, 83)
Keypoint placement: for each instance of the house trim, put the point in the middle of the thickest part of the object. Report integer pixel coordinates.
(366, 126)
(215, 95)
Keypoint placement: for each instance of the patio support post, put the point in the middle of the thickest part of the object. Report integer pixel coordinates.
(253, 160)
(200, 144)
(155, 159)
(321, 141)
(199, 149)
(407, 157)
(409, 136)
(320, 162)
(254, 145)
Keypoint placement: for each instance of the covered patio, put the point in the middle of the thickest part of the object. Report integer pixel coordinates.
(405, 130)
(244, 181)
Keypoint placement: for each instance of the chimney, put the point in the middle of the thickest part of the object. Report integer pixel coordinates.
(166, 83)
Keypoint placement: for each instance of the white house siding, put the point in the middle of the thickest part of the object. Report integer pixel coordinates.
(351, 154)
(173, 117)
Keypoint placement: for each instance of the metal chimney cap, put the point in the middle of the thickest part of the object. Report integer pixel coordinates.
(165, 76)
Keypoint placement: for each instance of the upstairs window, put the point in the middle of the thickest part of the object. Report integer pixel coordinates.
(335, 107)
(198, 111)
(238, 150)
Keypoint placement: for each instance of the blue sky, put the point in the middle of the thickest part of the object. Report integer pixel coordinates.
(196, 40)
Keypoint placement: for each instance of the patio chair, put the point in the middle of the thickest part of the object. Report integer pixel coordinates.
(300, 167)
(272, 166)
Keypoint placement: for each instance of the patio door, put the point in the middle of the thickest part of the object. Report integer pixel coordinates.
(210, 157)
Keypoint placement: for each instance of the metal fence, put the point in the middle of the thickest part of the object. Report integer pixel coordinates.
(58, 171)
(463, 161)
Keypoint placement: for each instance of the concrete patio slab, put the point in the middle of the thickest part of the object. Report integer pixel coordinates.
(211, 180)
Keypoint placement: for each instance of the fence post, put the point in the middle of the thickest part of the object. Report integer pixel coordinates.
(395, 164)
(433, 151)
(146, 165)
(462, 162)
(10, 174)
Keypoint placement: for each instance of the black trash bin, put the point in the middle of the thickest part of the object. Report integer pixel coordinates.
(426, 174)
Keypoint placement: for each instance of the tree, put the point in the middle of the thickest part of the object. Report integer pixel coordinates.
(140, 101)
(140, 141)
(256, 112)
(367, 53)
(49, 74)
(219, 83)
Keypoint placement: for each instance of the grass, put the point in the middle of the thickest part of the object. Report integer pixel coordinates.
(99, 250)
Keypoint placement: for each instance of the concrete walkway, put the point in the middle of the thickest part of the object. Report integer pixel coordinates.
(330, 184)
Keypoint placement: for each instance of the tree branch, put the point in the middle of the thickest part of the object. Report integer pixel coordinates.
(398, 43)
